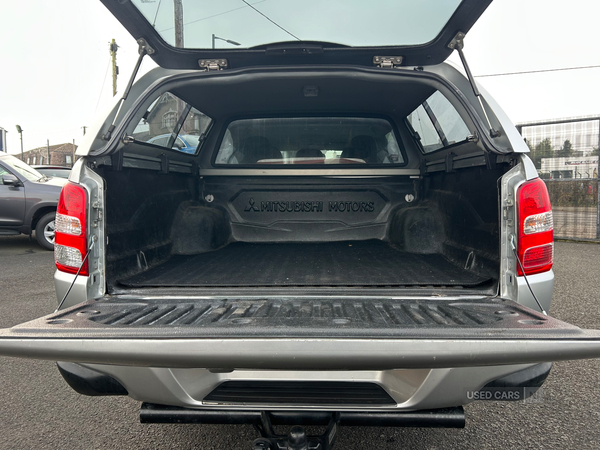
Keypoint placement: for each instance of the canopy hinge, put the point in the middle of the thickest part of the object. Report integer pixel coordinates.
(144, 47)
(457, 43)
(208, 65)
(387, 62)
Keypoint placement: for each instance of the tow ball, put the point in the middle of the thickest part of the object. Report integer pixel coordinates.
(297, 438)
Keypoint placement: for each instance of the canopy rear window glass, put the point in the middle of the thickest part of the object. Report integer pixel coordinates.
(437, 124)
(172, 123)
(309, 140)
(242, 24)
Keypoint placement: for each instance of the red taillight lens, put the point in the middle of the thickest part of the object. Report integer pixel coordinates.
(535, 247)
(70, 244)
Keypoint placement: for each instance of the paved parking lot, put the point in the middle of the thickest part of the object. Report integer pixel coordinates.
(38, 410)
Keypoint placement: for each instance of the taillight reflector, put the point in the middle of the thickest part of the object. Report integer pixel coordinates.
(535, 247)
(70, 245)
(538, 256)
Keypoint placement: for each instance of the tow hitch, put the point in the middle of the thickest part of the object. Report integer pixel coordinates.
(297, 438)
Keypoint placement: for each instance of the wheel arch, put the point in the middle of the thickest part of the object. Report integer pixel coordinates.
(38, 213)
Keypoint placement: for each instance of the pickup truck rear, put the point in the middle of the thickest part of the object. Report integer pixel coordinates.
(303, 231)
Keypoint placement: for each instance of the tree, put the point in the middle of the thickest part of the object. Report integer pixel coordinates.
(566, 150)
(594, 151)
(542, 150)
(531, 149)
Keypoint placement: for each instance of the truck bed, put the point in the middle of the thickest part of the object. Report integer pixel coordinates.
(370, 263)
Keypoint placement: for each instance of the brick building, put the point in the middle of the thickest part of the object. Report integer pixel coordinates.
(164, 115)
(59, 155)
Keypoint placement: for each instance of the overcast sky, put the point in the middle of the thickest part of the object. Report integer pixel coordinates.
(55, 77)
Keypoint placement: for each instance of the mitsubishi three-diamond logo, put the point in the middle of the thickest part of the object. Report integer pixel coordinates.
(252, 206)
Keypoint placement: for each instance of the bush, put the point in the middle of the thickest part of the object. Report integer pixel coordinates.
(573, 192)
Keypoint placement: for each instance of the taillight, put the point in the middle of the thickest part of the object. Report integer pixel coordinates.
(535, 247)
(70, 243)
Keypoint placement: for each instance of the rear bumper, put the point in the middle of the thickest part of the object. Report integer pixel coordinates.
(62, 283)
(409, 390)
(542, 284)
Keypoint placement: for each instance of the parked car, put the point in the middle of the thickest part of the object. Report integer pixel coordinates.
(53, 171)
(185, 143)
(360, 237)
(28, 200)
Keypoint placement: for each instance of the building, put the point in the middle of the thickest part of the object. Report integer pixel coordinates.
(573, 167)
(58, 155)
(582, 132)
(164, 115)
(564, 148)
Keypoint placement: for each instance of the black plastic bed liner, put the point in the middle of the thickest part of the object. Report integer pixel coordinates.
(299, 333)
(349, 263)
(311, 316)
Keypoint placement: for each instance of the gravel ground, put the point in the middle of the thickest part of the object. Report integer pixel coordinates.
(38, 410)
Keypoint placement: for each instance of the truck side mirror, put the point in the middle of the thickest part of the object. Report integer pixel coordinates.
(10, 180)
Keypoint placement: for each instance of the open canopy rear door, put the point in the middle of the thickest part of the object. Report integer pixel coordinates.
(299, 333)
(263, 32)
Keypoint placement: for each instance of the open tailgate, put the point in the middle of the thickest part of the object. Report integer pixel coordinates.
(299, 333)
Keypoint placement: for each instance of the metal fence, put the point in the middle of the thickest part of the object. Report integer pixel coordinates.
(565, 152)
(575, 208)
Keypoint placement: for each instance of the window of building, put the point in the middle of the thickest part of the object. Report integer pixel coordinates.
(169, 120)
(28, 160)
(68, 159)
(34, 158)
(41, 160)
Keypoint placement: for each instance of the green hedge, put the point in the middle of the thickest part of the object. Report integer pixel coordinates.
(573, 192)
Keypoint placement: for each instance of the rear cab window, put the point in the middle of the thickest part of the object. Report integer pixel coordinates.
(318, 141)
(437, 124)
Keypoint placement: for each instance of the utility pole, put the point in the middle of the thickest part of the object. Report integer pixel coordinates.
(178, 11)
(115, 69)
(20, 131)
(73, 157)
(3, 148)
(84, 128)
(48, 147)
(178, 7)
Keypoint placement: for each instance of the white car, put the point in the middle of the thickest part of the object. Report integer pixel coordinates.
(358, 237)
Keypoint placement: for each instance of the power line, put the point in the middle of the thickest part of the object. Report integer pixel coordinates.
(103, 82)
(156, 15)
(210, 17)
(273, 22)
(220, 14)
(536, 71)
